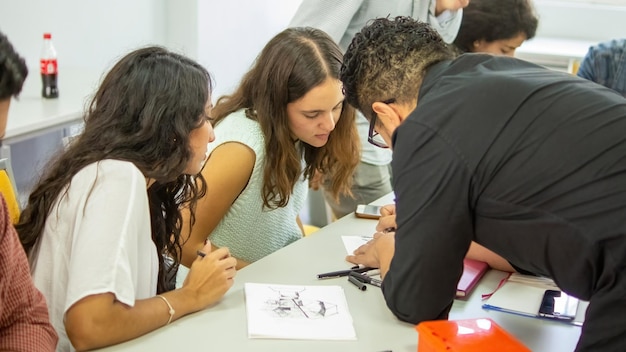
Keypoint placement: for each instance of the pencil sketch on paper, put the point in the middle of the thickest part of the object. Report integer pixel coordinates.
(294, 303)
(298, 312)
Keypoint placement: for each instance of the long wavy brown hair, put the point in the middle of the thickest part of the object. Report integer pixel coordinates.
(143, 112)
(291, 64)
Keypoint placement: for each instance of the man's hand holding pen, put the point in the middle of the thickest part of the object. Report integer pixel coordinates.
(377, 252)
(387, 218)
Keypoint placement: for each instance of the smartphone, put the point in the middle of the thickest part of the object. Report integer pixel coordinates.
(368, 211)
(558, 305)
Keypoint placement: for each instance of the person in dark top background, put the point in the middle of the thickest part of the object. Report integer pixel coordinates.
(528, 162)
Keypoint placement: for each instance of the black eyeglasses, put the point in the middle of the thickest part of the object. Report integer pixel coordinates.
(374, 137)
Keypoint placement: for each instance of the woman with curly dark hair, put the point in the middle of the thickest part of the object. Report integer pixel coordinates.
(105, 218)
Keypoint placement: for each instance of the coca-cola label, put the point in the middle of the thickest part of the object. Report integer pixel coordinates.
(48, 66)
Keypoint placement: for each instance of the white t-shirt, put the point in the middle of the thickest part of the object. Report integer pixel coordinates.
(97, 239)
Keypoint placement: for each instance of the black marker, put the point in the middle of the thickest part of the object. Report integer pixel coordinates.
(357, 283)
(366, 279)
(341, 273)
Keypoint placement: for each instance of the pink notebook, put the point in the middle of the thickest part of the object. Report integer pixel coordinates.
(473, 270)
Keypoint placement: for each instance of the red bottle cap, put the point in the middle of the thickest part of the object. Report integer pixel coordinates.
(47, 36)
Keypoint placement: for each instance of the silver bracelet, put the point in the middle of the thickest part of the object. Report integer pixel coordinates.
(171, 310)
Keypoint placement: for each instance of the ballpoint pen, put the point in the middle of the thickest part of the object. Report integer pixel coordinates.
(366, 279)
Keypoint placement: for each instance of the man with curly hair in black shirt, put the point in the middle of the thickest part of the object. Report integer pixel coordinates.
(527, 162)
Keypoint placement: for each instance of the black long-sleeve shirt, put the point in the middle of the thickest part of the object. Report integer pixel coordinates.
(528, 162)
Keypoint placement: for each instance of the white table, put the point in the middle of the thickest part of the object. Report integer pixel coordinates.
(224, 326)
(37, 126)
(31, 115)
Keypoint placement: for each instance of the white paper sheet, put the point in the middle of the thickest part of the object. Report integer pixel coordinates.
(353, 242)
(298, 312)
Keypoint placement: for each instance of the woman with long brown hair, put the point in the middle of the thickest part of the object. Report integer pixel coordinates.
(286, 120)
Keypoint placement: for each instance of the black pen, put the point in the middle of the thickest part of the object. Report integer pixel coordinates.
(366, 279)
(359, 284)
(340, 273)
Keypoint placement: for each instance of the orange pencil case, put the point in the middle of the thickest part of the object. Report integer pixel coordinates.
(470, 335)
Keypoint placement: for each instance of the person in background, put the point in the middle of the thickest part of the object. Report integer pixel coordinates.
(342, 20)
(488, 149)
(24, 322)
(496, 26)
(101, 221)
(285, 121)
(605, 64)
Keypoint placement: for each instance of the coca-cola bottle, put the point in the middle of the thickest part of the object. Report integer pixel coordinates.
(48, 66)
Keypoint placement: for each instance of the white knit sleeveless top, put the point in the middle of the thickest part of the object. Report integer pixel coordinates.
(250, 230)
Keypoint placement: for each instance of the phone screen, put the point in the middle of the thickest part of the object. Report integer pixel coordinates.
(372, 209)
(558, 305)
(368, 211)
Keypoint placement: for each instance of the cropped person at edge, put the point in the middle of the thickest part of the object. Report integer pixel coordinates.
(24, 322)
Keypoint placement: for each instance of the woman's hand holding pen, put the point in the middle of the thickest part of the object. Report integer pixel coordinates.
(387, 220)
(210, 275)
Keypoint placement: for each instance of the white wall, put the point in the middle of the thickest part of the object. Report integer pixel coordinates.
(230, 38)
(581, 21)
(225, 36)
(87, 34)
(228, 35)
(182, 18)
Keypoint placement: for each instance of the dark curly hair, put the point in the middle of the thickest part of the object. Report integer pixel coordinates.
(492, 20)
(13, 70)
(387, 59)
(143, 112)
